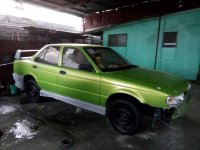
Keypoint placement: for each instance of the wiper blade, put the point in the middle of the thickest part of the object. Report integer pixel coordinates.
(122, 67)
(127, 66)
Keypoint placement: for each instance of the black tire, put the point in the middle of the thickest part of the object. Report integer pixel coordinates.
(124, 116)
(32, 91)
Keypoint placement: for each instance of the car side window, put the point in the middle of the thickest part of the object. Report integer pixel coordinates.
(74, 58)
(49, 56)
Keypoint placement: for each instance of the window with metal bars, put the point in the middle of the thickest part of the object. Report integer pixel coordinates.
(170, 39)
(117, 40)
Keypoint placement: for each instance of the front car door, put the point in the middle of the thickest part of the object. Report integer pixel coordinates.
(77, 79)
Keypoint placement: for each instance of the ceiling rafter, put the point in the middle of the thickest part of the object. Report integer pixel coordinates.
(83, 7)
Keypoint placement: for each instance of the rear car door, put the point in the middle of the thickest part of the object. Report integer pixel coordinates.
(77, 79)
(45, 68)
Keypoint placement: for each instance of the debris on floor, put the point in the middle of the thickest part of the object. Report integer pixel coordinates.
(66, 144)
(122, 140)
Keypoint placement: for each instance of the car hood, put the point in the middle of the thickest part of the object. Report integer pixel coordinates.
(149, 80)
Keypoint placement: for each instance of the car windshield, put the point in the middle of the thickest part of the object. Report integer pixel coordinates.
(107, 59)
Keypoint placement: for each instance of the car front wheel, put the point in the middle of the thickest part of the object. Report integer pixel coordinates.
(32, 91)
(124, 116)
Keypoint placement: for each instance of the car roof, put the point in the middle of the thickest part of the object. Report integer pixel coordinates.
(74, 44)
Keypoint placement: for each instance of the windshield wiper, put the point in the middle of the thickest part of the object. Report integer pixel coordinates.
(127, 66)
(122, 67)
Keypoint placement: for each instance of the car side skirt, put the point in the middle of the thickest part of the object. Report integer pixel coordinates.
(91, 107)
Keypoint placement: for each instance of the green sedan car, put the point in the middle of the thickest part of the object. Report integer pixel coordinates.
(98, 79)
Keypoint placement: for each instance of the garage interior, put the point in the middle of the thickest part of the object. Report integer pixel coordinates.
(138, 30)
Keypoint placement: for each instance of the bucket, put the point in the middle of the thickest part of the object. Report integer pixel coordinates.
(13, 89)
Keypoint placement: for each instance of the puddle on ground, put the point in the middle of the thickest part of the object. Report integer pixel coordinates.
(24, 130)
(7, 109)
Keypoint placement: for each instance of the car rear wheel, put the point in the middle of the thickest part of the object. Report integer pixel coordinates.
(32, 91)
(124, 116)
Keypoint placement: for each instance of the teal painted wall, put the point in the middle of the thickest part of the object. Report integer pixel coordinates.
(184, 60)
(186, 56)
(141, 41)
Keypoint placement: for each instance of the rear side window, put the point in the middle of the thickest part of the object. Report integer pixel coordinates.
(49, 55)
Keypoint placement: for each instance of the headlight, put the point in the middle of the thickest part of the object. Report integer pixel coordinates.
(189, 87)
(174, 101)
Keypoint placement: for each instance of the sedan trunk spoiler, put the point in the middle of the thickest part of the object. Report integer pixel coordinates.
(18, 54)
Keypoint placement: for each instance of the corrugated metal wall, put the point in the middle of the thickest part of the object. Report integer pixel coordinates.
(136, 11)
(184, 60)
(7, 52)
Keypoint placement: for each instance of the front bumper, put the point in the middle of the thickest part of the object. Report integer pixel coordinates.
(175, 112)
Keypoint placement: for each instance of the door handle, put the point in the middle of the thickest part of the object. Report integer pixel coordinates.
(62, 72)
(34, 66)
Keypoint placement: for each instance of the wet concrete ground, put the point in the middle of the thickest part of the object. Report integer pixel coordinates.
(44, 125)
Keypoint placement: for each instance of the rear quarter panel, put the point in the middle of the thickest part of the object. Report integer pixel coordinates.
(22, 67)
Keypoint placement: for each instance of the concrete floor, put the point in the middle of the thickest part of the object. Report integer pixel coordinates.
(45, 125)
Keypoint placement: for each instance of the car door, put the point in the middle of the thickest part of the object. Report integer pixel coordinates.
(77, 79)
(45, 68)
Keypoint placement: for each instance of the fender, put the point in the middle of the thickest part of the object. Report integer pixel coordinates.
(122, 90)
